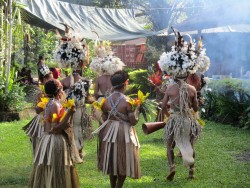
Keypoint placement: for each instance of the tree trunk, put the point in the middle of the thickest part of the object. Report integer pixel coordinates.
(6, 41)
(1, 39)
(25, 48)
(8, 63)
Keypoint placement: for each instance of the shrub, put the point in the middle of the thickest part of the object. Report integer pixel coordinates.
(228, 101)
(14, 99)
(138, 81)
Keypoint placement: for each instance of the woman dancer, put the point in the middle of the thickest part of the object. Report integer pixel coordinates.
(34, 129)
(53, 165)
(118, 152)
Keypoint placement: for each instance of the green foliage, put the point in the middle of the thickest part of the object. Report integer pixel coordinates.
(44, 43)
(228, 101)
(153, 54)
(40, 42)
(52, 64)
(138, 81)
(13, 99)
(87, 73)
(245, 118)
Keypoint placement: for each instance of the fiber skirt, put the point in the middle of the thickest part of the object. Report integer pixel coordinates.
(184, 131)
(118, 152)
(35, 129)
(53, 166)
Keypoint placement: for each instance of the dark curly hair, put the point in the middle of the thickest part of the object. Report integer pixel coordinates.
(52, 87)
(118, 79)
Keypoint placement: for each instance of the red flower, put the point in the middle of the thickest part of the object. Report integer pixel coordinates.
(156, 79)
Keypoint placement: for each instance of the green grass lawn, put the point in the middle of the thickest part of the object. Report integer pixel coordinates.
(217, 164)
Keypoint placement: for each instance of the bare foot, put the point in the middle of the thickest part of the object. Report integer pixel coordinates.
(170, 177)
(179, 154)
(191, 174)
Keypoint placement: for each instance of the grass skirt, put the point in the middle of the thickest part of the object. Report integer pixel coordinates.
(82, 126)
(184, 130)
(118, 152)
(35, 129)
(53, 167)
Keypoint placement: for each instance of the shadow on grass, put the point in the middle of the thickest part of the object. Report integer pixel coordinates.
(154, 141)
(15, 176)
(14, 180)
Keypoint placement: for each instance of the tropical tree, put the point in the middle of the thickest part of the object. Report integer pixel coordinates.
(11, 25)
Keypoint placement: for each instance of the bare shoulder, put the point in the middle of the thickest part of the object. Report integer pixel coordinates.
(192, 88)
(65, 79)
(126, 98)
(54, 108)
(128, 105)
(171, 86)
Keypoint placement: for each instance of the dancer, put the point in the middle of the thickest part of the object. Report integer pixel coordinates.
(77, 88)
(34, 129)
(104, 65)
(40, 64)
(53, 165)
(71, 53)
(118, 152)
(102, 86)
(182, 128)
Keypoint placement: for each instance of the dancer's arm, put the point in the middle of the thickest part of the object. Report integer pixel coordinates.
(38, 110)
(133, 115)
(164, 105)
(104, 111)
(96, 89)
(195, 101)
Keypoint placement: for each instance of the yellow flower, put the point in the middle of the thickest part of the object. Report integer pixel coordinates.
(54, 117)
(44, 101)
(201, 122)
(69, 103)
(41, 87)
(133, 103)
(98, 105)
(142, 97)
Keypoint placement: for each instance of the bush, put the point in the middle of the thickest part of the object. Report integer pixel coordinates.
(138, 81)
(13, 100)
(228, 101)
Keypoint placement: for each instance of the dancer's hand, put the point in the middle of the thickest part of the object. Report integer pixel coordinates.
(73, 108)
